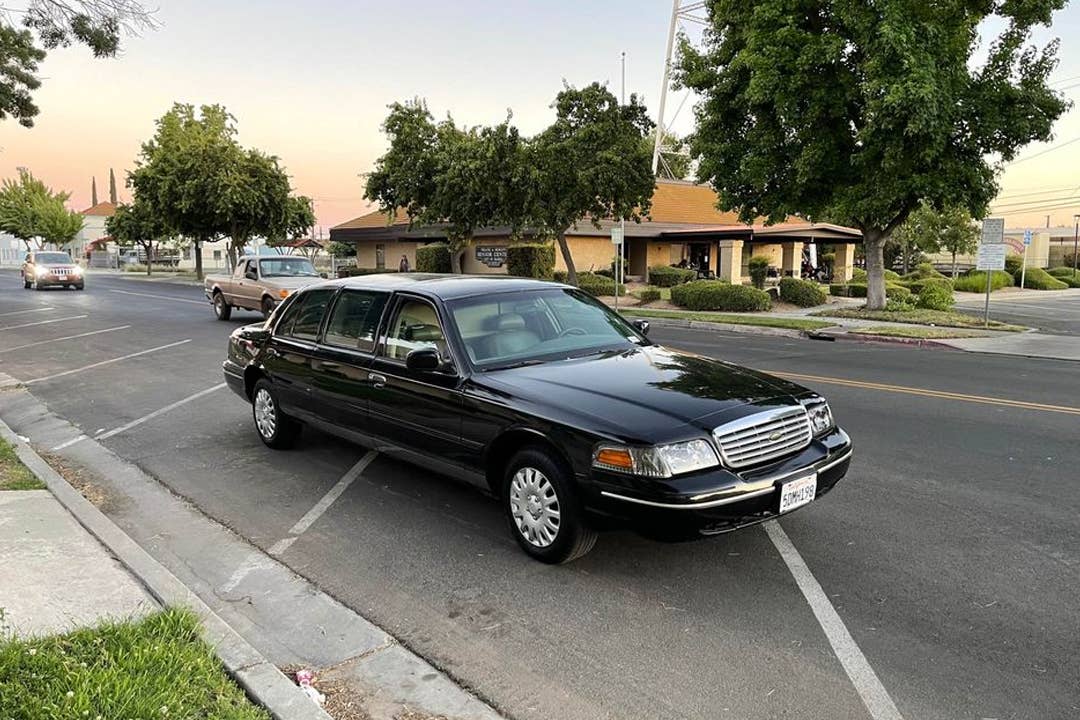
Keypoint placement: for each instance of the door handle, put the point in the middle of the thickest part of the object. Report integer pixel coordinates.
(376, 379)
(329, 365)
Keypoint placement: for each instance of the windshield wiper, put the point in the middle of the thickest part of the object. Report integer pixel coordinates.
(510, 366)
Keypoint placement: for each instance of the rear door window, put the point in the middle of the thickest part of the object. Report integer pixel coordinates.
(303, 318)
(355, 319)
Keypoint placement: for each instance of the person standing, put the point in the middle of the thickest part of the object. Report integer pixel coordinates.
(403, 266)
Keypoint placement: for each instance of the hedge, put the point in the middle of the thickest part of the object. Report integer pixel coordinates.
(935, 297)
(647, 295)
(758, 267)
(598, 285)
(531, 260)
(803, 293)
(434, 258)
(975, 281)
(893, 291)
(719, 295)
(859, 275)
(1066, 275)
(896, 292)
(666, 276)
(353, 271)
(916, 286)
(1013, 264)
(1039, 279)
(923, 271)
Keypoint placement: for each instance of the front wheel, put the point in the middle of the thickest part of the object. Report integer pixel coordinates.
(267, 307)
(26, 283)
(222, 309)
(276, 429)
(542, 509)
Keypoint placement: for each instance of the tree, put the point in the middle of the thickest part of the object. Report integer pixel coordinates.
(187, 171)
(112, 188)
(138, 224)
(860, 110)
(93, 191)
(257, 197)
(592, 162)
(919, 234)
(97, 24)
(29, 209)
(958, 233)
(296, 222)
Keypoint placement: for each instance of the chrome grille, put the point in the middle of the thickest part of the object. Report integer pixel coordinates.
(763, 436)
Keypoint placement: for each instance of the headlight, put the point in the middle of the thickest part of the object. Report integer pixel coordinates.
(76, 270)
(41, 271)
(821, 419)
(659, 461)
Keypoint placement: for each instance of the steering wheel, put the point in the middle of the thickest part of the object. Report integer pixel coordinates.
(572, 331)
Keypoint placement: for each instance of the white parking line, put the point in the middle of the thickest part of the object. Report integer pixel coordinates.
(855, 664)
(103, 362)
(66, 337)
(23, 312)
(204, 303)
(69, 443)
(44, 322)
(324, 503)
(157, 413)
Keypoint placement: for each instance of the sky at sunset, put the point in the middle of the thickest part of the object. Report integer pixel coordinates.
(310, 82)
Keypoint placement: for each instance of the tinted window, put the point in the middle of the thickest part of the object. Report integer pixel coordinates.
(416, 325)
(52, 258)
(306, 315)
(354, 320)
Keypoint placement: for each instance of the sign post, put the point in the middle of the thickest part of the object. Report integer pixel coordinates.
(617, 240)
(991, 256)
(1023, 267)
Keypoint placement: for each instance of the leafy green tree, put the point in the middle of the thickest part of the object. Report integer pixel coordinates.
(296, 221)
(929, 231)
(919, 234)
(188, 172)
(592, 163)
(257, 197)
(138, 224)
(859, 110)
(675, 160)
(29, 209)
(48, 24)
(112, 188)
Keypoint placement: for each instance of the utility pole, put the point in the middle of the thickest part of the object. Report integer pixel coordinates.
(622, 221)
(1076, 234)
(680, 10)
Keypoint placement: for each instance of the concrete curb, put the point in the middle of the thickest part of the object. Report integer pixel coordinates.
(718, 326)
(262, 681)
(855, 336)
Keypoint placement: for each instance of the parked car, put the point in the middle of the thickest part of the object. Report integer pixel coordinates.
(540, 394)
(259, 283)
(42, 268)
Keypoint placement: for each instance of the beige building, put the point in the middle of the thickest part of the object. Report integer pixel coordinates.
(93, 230)
(684, 225)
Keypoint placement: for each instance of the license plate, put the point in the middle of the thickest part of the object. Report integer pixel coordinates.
(798, 492)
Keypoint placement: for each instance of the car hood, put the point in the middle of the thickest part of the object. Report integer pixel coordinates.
(649, 394)
(291, 283)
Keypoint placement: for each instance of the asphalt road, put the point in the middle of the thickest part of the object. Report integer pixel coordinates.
(951, 553)
(1056, 313)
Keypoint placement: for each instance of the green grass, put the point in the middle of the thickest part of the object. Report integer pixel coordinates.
(13, 474)
(941, 318)
(764, 321)
(916, 331)
(157, 667)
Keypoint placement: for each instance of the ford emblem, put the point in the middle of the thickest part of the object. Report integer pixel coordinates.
(776, 436)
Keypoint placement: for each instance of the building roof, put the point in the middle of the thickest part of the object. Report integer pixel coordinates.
(102, 209)
(376, 218)
(678, 201)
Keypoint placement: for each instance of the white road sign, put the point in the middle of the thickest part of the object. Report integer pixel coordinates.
(616, 236)
(993, 231)
(991, 257)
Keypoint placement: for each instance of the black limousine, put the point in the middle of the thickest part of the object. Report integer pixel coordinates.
(540, 394)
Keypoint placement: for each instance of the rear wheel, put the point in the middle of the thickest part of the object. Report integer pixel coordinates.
(276, 429)
(222, 309)
(542, 509)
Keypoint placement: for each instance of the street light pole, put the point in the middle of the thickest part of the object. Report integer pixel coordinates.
(1076, 235)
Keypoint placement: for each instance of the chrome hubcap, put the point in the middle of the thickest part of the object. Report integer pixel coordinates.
(265, 413)
(534, 505)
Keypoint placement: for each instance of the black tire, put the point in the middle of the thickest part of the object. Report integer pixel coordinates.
(268, 306)
(80, 286)
(222, 309)
(282, 431)
(26, 283)
(525, 511)
(37, 286)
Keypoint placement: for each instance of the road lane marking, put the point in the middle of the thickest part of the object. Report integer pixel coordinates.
(204, 303)
(874, 695)
(67, 337)
(44, 322)
(942, 394)
(23, 312)
(157, 413)
(104, 362)
(324, 503)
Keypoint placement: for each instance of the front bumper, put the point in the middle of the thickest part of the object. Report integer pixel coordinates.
(53, 280)
(713, 501)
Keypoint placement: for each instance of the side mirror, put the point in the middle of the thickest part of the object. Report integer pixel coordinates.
(426, 359)
(642, 326)
(251, 275)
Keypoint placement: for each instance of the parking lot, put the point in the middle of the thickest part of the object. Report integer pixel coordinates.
(1056, 313)
(938, 579)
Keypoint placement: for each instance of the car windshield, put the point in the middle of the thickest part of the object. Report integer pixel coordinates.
(287, 267)
(53, 258)
(537, 326)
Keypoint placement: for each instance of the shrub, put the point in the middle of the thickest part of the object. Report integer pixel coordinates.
(975, 281)
(1039, 279)
(434, 258)
(1067, 260)
(902, 304)
(1013, 263)
(858, 275)
(665, 276)
(647, 295)
(896, 292)
(936, 297)
(719, 295)
(838, 289)
(597, 285)
(923, 271)
(1066, 275)
(353, 271)
(916, 286)
(856, 290)
(758, 269)
(531, 260)
(891, 276)
(803, 293)
(559, 276)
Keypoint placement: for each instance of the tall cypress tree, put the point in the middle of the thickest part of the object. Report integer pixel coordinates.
(112, 187)
(93, 191)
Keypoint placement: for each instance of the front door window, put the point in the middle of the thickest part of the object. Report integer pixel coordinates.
(416, 325)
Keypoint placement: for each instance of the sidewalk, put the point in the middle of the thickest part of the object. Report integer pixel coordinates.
(160, 276)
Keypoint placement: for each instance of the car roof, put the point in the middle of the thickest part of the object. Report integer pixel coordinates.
(445, 287)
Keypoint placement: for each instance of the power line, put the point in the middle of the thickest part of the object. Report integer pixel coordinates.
(1071, 196)
(1037, 192)
(1044, 152)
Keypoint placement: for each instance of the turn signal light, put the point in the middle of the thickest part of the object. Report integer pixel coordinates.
(283, 294)
(615, 458)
